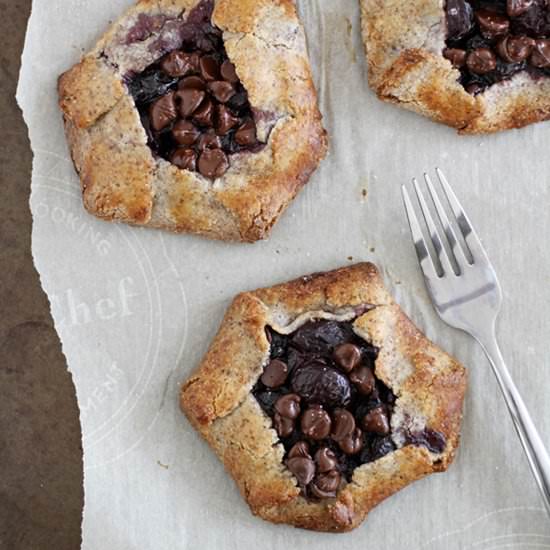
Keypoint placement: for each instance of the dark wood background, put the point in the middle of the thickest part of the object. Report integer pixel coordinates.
(40, 453)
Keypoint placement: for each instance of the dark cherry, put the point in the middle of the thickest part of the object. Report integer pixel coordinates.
(321, 336)
(515, 8)
(433, 440)
(317, 383)
(150, 85)
(460, 18)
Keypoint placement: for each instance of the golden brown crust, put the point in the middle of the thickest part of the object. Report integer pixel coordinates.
(123, 181)
(404, 43)
(429, 385)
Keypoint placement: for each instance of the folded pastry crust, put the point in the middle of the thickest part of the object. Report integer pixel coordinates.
(428, 383)
(121, 178)
(404, 42)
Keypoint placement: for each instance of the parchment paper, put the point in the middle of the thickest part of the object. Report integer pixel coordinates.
(136, 308)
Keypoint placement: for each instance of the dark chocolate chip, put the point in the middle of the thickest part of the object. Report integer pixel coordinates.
(540, 57)
(515, 8)
(221, 90)
(179, 64)
(246, 133)
(209, 68)
(481, 61)
(228, 72)
(185, 133)
(275, 374)
(514, 49)
(301, 448)
(316, 423)
(376, 421)
(317, 383)
(213, 163)
(209, 140)
(204, 115)
(195, 82)
(225, 120)
(289, 405)
(163, 111)
(283, 426)
(325, 459)
(185, 159)
(347, 356)
(363, 379)
(491, 23)
(456, 56)
(189, 100)
(303, 469)
(352, 443)
(326, 485)
(343, 424)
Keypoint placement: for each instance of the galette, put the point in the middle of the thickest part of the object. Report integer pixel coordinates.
(195, 116)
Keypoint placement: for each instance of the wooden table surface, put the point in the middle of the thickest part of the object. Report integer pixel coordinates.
(40, 448)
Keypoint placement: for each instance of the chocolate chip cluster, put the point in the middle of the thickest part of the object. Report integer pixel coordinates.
(491, 40)
(330, 411)
(192, 104)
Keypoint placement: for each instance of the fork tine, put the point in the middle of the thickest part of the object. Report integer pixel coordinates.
(470, 236)
(447, 227)
(434, 235)
(426, 262)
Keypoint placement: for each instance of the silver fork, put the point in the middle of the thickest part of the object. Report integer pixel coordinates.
(470, 300)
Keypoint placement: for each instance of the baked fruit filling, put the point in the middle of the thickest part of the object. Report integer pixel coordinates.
(331, 412)
(192, 104)
(492, 40)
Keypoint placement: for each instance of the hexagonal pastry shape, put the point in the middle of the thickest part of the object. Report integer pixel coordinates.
(477, 66)
(322, 398)
(195, 116)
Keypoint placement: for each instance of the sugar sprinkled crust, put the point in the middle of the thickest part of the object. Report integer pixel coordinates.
(122, 180)
(216, 398)
(404, 42)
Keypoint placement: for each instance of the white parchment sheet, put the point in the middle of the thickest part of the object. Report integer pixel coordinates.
(136, 308)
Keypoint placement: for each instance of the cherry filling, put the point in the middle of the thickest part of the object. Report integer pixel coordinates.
(331, 412)
(492, 40)
(192, 104)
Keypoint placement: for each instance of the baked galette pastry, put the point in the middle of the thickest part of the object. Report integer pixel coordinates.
(477, 65)
(322, 399)
(197, 116)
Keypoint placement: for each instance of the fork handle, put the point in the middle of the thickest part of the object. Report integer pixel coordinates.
(534, 448)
